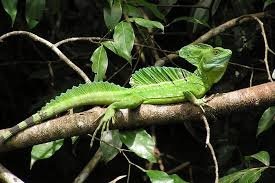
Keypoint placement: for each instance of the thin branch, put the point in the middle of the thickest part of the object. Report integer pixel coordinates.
(213, 32)
(215, 162)
(118, 178)
(266, 46)
(178, 168)
(98, 40)
(227, 25)
(52, 47)
(89, 167)
(145, 115)
(95, 40)
(7, 177)
(209, 145)
(131, 163)
(246, 67)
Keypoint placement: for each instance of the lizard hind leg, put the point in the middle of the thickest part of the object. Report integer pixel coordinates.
(130, 102)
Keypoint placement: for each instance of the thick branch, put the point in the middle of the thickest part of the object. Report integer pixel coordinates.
(145, 115)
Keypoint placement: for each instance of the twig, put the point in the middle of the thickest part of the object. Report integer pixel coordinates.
(95, 40)
(215, 162)
(165, 59)
(229, 24)
(7, 177)
(131, 163)
(52, 47)
(213, 32)
(266, 45)
(118, 178)
(82, 176)
(178, 168)
(246, 67)
(207, 128)
(209, 145)
(98, 40)
(251, 78)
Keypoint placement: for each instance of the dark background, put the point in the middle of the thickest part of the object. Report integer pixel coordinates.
(27, 84)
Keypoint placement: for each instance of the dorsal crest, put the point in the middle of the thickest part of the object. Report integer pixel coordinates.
(83, 89)
(155, 75)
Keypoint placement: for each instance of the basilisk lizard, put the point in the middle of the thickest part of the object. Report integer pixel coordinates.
(151, 85)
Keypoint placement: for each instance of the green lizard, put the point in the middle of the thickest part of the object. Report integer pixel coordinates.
(151, 85)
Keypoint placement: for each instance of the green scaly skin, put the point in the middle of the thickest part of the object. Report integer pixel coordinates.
(152, 85)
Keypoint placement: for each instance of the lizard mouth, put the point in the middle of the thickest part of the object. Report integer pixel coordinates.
(221, 56)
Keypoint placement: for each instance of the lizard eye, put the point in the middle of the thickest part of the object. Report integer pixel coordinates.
(216, 52)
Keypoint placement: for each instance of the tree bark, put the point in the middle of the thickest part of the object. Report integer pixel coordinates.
(86, 122)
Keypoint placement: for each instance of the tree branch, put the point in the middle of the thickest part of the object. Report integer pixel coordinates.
(52, 47)
(213, 32)
(7, 177)
(145, 115)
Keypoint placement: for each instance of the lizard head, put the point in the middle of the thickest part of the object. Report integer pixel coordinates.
(211, 62)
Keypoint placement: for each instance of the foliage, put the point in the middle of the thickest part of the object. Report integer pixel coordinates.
(127, 25)
(250, 175)
(267, 120)
(46, 150)
(162, 177)
(34, 10)
(10, 8)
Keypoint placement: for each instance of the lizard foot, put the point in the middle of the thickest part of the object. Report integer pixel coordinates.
(104, 123)
(199, 102)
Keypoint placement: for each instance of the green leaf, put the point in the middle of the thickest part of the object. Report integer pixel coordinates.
(111, 140)
(251, 176)
(99, 63)
(131, 11)
(261, 156)
(267, 120)
(124, 40)
(112, 14)
(46, 150)
(10, 8)
(268, 3)
(147, 23)
(191, 20)
(157, 176)
(177, 179)
(110, 45)
(140, 142)
(201, 14)
(150, 6)
(243, 176)
(34, 11)
(231, 178)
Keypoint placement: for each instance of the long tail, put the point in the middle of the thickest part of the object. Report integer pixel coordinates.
(98, 93)
(30, 121)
